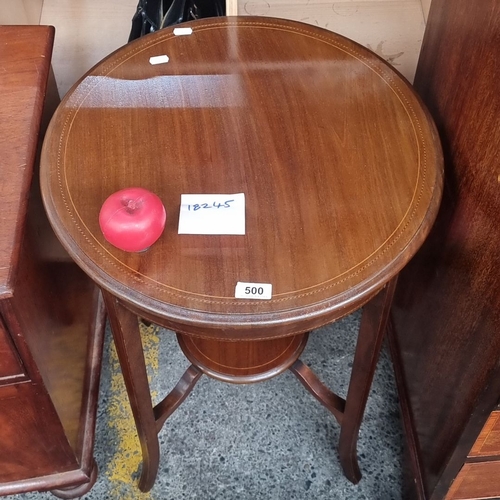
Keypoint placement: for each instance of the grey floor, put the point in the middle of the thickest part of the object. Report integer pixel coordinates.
(269, 441)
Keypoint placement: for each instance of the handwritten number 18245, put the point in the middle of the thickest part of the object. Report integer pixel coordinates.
(215, 204)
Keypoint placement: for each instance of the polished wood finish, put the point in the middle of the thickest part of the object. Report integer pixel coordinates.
(351, 131)
(125, 328)
(488, 442)
(476, 481)
(478, 478)
(11, 367)
(51, 314)
(446, 322)
(331, 401)
(174, 399)
(77, 491)
(24, 78)
(244, 361)
(371, 334)
(342, 172)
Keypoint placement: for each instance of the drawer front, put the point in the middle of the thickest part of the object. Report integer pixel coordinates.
(476, 481)
(488, 442)
(481, 479)
(11, 368)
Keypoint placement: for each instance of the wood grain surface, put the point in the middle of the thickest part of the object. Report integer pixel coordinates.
(342, 174)
(51, 318)
(478, 481)
(446, 308)
(24, 76)
(488, 442)
(339, 162)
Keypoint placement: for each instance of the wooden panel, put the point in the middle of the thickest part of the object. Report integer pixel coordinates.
(25, 68)
(60, 343)
(10, 364)
(32, 441)
(57, 318)
(488, 442)
(55, 305)
(476, 482)
(49, 311)
(445, 312)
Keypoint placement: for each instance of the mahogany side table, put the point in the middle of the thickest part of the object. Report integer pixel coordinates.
(342, 173)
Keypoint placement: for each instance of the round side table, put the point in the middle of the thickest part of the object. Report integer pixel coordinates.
(341, 169)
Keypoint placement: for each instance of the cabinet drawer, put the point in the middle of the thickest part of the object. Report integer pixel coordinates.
(479, 480)
(488, 442)
(10, 363)
(476, 481)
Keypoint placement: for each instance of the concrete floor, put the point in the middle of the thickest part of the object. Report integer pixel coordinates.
(270, 441)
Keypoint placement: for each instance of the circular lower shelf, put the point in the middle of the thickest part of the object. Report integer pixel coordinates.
(242, 362)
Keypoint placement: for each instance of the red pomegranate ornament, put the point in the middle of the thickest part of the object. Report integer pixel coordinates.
(132, 219)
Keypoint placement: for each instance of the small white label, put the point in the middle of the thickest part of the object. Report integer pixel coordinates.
(212, 214)
(183, 31)
(158, 59)
(261, 291)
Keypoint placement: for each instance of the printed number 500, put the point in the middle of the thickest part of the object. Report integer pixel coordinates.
(259, 291)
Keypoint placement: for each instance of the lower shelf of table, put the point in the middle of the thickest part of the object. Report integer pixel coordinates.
(242, 361)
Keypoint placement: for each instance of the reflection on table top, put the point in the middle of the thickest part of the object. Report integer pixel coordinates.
(340, 166)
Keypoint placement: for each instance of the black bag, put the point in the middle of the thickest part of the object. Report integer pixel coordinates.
(153, 15)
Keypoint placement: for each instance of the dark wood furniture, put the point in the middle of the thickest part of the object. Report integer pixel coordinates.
(341, 169)
(51, 317)
(446, 313)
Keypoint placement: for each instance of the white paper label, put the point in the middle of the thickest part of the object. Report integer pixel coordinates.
(212, 214)
(261, 291)
(182, 31)
(158, 59)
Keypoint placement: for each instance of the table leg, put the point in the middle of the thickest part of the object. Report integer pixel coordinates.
(348, 412)
(370, 337)
(125, 328)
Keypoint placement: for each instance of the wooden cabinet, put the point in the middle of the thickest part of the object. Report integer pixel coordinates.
(51, 316)
(446, 314)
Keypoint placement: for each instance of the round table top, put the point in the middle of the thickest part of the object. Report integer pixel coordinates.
(339, 163)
